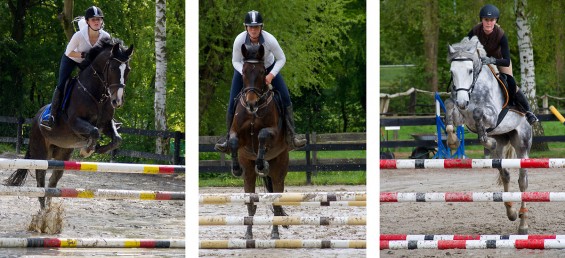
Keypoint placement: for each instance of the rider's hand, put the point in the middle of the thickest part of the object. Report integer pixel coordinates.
(269, 78)
(488, 60)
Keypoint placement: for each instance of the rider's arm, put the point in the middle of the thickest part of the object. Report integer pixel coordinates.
(505, 50)
(72, 46)
(237, 56)
(277, 52)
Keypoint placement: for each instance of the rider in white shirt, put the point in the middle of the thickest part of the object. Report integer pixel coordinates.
(274, 60)
(90, 32)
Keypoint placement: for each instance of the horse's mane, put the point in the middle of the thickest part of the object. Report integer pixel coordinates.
(102, 45)
(468, 48)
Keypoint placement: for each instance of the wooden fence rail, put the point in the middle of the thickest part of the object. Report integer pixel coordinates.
(311, 163)
(176, 157)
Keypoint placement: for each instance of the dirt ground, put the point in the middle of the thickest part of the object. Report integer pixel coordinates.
(293, 232)
(468, 218)
(99, 218)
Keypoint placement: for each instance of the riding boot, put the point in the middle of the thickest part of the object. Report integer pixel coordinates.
(521, 100)
(55, 104)
(223, 146)
(291, 135)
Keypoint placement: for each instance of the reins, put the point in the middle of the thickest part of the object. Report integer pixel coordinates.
(106, 92)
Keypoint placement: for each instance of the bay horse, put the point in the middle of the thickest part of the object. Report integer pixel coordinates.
(88, 110)
(478, 102)
(257, 137)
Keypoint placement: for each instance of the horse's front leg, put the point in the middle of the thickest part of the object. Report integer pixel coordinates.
(452, 140)
(261, 165)
(84, 128)
(111, 131)
(234, 145)
(487, 142)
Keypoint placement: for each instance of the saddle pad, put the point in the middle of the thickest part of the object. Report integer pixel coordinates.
(46, 112)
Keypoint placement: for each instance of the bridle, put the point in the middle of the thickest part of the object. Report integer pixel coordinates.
(264, 94)
(107, 92)
(475, 74)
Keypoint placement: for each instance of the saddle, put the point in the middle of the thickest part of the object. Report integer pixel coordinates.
(508, 104)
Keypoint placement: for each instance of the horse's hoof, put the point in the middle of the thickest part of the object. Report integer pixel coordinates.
(263, 172)
(523, 231)
(85, 153)
(275, 236)
(237, 172)
(248, 236)
(512, 215)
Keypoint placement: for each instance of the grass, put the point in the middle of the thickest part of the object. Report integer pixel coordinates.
(292, 178)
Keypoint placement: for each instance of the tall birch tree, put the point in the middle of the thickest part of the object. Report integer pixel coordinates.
(160, 73)
(527, 67)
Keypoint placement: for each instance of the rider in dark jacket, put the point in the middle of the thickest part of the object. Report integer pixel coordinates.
(495, 42)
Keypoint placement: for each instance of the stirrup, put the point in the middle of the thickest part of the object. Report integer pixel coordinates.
(222, 147)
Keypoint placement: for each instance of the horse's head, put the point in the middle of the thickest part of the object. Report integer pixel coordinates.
(111, 64)
(254, 87)
(465, 68)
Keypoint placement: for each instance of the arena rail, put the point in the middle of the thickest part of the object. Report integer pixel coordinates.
(470, 163)
(286, 243)
(473, 197)
(90, 243)
(280, 220)
(91, 166)
(91, 193)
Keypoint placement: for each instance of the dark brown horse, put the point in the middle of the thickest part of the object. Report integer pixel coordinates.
(257, 136)
(87, 111)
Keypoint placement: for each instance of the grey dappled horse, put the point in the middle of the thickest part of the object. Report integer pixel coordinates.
(477, 101)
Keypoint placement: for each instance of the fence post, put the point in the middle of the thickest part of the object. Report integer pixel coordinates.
(176, 155)
(545, 104)
(308, 161)
(19, 135)
(315, 154)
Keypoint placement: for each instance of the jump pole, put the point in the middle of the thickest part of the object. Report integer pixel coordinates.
(90, 193)
(281, 197)
(470, 163)
(280, 221)
(473, 197)
(286, 243)
(406, 237)
(475, 244)
(90, 243)
(90, 166)
(557, 114)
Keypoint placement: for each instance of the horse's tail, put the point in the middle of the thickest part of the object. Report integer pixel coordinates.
(18, 178)
(268, 182)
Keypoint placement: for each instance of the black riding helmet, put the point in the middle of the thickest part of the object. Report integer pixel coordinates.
(93, 11)
(489, 11)
(253, 18)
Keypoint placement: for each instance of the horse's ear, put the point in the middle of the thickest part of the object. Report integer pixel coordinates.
(116, 49)
(129, 52)
(243, 50)
(261, 52)
(451, 49)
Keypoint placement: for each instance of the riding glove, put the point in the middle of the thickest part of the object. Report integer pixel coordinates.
(488, 60)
